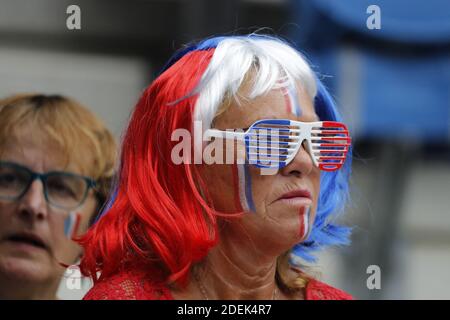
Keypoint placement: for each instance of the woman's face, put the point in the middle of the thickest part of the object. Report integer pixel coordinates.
(31, 216)
(279, 218)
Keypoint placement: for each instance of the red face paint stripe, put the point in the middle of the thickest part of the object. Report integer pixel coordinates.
(76, 226)
(287, 100)
(302, 226)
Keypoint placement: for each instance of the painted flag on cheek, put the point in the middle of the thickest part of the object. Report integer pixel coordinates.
(305, 225)
(71, 225)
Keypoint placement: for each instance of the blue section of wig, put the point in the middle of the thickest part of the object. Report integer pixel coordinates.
(203, 45)
(334, 193)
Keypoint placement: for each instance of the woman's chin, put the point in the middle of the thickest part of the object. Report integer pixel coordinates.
(292, 220)
(284, 238)
(289, 228)
(24, 269)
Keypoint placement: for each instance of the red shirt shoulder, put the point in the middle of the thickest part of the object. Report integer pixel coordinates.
(130, 286)
(316, 290)
(126, 286)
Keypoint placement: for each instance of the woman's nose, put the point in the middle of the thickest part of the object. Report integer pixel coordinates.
(32, 204)
(301, 164)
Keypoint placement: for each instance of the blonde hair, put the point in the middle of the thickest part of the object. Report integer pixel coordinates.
(291, 279)
(67, 124)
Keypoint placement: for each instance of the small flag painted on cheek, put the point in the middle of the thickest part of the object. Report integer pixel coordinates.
(71, 224)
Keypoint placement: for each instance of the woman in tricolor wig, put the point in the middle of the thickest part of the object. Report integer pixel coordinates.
(233, 169)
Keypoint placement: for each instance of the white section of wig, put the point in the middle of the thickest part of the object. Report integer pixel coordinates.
(275, 63)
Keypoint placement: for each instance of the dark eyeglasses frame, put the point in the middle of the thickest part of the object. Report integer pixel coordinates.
(91, 183)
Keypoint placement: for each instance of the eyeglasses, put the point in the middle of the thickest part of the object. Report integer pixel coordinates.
(63, 190)
(273, 143)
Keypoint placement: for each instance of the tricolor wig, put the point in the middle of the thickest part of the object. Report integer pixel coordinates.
(158, 220)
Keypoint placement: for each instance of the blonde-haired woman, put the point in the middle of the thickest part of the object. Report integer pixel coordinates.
(56, 163)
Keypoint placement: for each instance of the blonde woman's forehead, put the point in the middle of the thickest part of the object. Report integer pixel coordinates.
(32, 148)
(75, 138)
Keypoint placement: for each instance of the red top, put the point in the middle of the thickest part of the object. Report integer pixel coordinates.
(126, 286)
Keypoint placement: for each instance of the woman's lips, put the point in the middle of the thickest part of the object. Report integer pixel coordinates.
(27, 242)
(297, 197)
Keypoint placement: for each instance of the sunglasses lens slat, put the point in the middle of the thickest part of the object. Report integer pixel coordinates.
(270, 143)
(330, 144)
(332, 132)
(273, 143)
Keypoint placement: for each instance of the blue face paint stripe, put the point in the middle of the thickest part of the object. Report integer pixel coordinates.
(248, 179)
(248, 189)
(71, 224)
(68, 223)
(242, 180)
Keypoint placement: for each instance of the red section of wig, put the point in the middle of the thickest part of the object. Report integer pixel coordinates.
(159, 223)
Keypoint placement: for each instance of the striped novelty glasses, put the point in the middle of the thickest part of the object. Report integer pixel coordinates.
(273, 143)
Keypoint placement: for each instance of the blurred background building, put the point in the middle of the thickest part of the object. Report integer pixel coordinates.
(392, 83)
